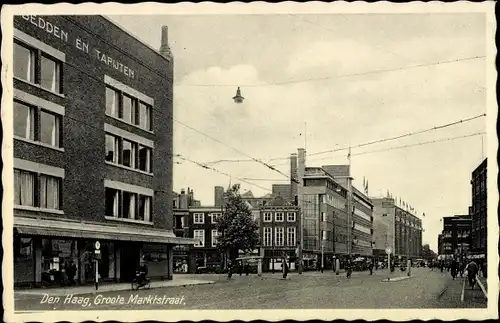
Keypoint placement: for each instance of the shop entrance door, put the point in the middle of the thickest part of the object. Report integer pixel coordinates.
(129, 261)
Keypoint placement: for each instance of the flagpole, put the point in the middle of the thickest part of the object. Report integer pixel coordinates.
(349, 211)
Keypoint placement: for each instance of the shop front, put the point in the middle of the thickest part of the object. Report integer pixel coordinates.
(55, 253)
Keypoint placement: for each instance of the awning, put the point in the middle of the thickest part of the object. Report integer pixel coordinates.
(98, 231)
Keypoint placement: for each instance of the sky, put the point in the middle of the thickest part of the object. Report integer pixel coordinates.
(324, 82)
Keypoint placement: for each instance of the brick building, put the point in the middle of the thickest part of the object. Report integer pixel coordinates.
(478, 211)
(280, 232)
(92, 150)
(456, 235)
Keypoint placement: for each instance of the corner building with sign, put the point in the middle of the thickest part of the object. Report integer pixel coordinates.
(92, 152)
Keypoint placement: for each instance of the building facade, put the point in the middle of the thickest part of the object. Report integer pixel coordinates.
(280, 233)
(337, 218)
(456, 235)
(92, 151)
(396, 228)
(479, 211)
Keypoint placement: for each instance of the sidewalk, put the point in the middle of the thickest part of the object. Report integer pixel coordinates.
(81, 290)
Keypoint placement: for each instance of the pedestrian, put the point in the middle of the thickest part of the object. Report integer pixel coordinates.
(247, 268)
(454, 268)
(348, 267)
(229, 269)
(284, 265)
(370, 266)
(70, 272)
(472, 270)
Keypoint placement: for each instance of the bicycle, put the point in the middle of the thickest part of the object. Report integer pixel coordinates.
(146, 284)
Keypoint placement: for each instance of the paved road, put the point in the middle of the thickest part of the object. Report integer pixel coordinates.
(426, 289)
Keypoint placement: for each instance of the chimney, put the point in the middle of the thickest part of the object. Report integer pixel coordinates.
(165, 48)
(219, 196)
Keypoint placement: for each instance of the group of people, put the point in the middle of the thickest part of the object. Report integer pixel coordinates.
(471, 270)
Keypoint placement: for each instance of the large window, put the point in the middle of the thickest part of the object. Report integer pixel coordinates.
(112, 102)
(49, 128)
(28, 119)
(37, 190)
(267, 236)
(50, 70)
(128, 108)
(279, 236)
(24, 186)
(24, 62)
(280, 217)
(267, 217)
(50, 190)
(200, 236)
(24, 120)
(128, 153)
(291, 216)
(291, 240)
(127, 205)
(33, 66)
(215, 234)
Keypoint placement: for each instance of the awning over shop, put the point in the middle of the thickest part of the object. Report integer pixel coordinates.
(92, 230)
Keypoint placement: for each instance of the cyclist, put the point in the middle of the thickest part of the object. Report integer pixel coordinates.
(142, 273)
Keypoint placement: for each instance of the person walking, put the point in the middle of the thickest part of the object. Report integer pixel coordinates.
(70, 272)
(370, 267)
(284, 265)
(472, 270)
(454, 268)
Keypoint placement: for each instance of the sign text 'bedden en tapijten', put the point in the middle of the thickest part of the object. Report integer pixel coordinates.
(79, 43)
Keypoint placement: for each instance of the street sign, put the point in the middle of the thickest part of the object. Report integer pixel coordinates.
(388, 251)
(97, 245)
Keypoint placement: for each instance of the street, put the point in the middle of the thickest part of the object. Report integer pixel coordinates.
(312, 290)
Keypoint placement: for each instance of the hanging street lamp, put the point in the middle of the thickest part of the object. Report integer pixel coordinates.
(238, 98)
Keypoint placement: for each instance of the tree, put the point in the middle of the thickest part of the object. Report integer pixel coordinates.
(427, 253)
(237, 229)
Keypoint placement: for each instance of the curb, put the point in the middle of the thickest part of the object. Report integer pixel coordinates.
(110, 291)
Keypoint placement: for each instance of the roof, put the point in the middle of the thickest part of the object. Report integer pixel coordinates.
(278, 201)
(337, 170)
(248, 194)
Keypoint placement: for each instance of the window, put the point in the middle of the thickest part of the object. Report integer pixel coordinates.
(128, 153)
(279, 236)
(24, 63)
(112, 148)
(144, 116)
(144, 213)
(323, 216)
(129, 106)
(24, 185)
(198, 218)
(27, 118)
(200, 236)
(267, 236)
(50, 192)
(128, 205)
(145, 158)
(49, 128)
(291, 216)
(24, 117)
(291, 241)
(280, 217)
(50, 74)
(112, 102)
(215, 234)
(112, 202)
(325, 235)
(214, 217)
(267, 217)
